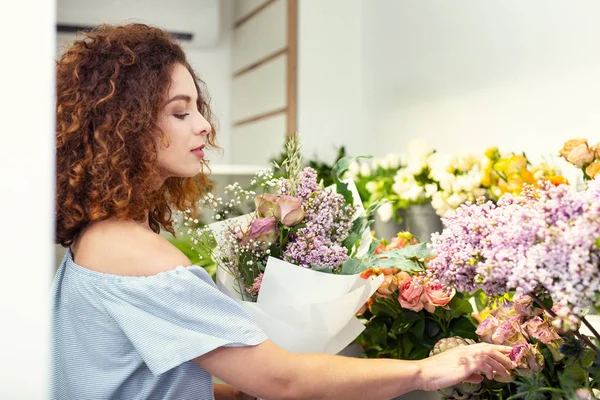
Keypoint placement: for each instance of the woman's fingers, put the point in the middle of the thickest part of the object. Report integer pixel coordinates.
(475, 378)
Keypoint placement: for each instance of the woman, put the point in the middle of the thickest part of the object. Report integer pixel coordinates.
(132, 318)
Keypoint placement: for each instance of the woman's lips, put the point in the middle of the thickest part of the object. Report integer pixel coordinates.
(198, 151)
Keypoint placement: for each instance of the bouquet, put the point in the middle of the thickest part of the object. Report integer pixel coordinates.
(293, 262)
(409, 313)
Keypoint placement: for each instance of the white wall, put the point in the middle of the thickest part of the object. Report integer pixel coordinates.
(463, 75)
(213, 65)
(27, 201)
(330, 78)
(469, 74)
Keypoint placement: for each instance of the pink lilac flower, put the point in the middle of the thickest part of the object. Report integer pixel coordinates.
(255, 286)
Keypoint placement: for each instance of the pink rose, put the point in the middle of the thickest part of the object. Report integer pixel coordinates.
(528, 358)
(505, 311)
(291, 210)
(435, 295)
(524, 306)
(509, 332)
(411, 290)
(263, 230)
(486, 328)
(543, 331)
(266, 205)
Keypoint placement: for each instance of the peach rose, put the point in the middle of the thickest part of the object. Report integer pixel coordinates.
(435, 295)
(291, 210)
(578, 154)
(570, 145)
(266, 205)
(593, 170)
(388, 286)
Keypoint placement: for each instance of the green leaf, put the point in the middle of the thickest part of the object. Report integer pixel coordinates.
(432, 328)
(419, 251)
(407, 346)
(376, 332)
(463, 327)
(338, 170)
(459, 307)
(383, 307)
(397, 262)
(326, 270)
(354, 266)
(404, 322)
(358, 227)
(419, 330)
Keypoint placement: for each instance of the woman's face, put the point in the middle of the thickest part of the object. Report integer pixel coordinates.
(186, 129)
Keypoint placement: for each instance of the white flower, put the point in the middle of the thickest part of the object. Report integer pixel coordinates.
(374, 164)
(365, 170)
(414, 193)
(371, 186)
(383, 163)
(439, 204)
(456, 199)
(385, 212)
(430, 189)
(446, 181)
(393, 160)
(416, 165)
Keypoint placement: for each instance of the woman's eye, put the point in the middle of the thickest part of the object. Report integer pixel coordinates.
(181, 116)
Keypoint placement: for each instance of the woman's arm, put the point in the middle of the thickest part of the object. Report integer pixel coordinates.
(270, 372)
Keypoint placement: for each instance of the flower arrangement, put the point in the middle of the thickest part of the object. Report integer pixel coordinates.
(544, 243)
(295, 260)
(409, 312)
(579, 153)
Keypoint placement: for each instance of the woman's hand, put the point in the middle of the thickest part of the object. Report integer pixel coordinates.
(465, 363)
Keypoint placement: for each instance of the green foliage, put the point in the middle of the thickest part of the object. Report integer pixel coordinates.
(395, 332)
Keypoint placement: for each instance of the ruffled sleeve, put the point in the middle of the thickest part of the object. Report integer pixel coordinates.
(176, 316)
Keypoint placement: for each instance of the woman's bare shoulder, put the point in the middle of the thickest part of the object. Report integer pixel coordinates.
(126, 248)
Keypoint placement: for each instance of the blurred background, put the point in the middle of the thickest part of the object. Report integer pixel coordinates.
(372, 75)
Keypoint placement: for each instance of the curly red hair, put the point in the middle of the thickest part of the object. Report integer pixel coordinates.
(110, 88)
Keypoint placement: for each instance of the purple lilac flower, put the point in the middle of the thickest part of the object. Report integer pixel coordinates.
(328, 221)
(307, 183)
(545, 239)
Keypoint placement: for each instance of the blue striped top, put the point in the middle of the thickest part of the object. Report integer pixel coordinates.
(125, 337)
